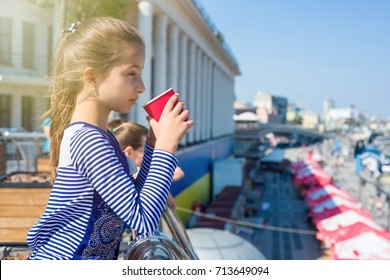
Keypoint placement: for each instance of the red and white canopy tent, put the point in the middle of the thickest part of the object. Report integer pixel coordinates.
(365, 246)
(341, 221)
(320, 193)
(345, 225)
(333, 206)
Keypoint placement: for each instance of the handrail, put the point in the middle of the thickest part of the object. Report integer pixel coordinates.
(178, 232)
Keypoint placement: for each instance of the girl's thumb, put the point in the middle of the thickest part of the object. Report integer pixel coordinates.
(152, 122)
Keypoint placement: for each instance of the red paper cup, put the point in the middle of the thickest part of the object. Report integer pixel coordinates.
(156, 106)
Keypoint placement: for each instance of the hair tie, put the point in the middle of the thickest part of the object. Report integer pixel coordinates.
(73, 27)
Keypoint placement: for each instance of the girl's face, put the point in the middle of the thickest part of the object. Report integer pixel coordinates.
(119, 89)
(136, 155)
(139, 153)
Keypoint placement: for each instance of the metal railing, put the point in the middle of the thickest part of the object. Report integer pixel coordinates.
(177, 230)
(170, 243)
(22, 150)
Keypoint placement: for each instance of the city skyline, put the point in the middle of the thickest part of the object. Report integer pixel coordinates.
(309, 51)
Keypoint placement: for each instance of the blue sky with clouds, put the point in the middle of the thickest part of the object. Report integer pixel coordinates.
(310, 50)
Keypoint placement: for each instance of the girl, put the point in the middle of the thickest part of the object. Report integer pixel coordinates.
(132, 137)
(97, 69)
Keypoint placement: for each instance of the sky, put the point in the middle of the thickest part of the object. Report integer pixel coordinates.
(309, 50)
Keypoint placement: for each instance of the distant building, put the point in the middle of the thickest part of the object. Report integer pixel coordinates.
(293, 114)
(270, 108)
(338, 117)
(297, 116)
(245, 117)
(310, 120)
(328, 104)
(240, 108)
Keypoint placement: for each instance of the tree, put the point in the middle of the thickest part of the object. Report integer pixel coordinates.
(73, 11)
(351, 122)
(297, 120)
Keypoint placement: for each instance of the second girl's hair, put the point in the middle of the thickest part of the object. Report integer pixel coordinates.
(130, 134)
(96, 43)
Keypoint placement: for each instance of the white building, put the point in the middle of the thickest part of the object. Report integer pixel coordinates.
(336, 117)
(310, 120)
(25, 47)
(328, 104)
(182, 51)
(270, 108)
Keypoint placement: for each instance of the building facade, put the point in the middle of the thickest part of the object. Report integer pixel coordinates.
(25, 48)
(270, 108)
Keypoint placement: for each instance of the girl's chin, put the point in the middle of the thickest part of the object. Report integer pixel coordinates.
(125, 110)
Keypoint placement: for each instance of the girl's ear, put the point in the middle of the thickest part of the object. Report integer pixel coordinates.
(129, 152)
(89, 75)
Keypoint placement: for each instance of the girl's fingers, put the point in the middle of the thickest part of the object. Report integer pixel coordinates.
(184, 114)
(179, 107)
(170, 104)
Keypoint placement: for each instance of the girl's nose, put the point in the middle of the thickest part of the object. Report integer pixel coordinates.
(140, 88)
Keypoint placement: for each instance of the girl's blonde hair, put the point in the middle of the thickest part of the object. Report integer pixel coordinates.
(96, 43)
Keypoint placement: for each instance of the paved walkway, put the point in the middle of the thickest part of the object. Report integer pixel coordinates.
(283, 209)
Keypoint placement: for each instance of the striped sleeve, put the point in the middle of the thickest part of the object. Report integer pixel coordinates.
(94, 158)
(143, 172)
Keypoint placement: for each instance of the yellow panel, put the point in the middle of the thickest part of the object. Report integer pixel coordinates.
(197, 192)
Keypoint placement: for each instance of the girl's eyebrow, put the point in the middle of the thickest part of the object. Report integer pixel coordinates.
(140, 67)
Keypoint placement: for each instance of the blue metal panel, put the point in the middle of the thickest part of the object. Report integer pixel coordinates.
(196, 161)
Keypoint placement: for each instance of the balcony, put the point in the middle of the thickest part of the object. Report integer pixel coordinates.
(17, 72)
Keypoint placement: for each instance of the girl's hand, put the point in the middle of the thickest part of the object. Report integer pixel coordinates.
(172, 126)
(171, 201)
(150, 138)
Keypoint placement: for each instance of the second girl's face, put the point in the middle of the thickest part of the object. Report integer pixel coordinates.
(119, 89)
(138, 154)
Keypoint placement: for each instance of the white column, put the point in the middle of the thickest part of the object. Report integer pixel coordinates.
(145, 25)
(214, 103)
(204, 97)
(160, 55)
(17, 44)
(198, 94)
(225, 96)
(232, 98)
(16, 112)
(173, 65)
(209, 97)
(223, 103)
(192, 89)
(226, 93)
(219, 103)
(183, 77)
(56, 22)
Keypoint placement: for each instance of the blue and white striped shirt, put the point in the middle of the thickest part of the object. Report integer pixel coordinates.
(93, 197)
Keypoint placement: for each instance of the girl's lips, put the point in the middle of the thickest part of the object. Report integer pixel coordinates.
(133, 101)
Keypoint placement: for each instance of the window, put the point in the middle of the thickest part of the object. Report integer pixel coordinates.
(27, 112)
(28, 45)
(5, 111)
(5, 41)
